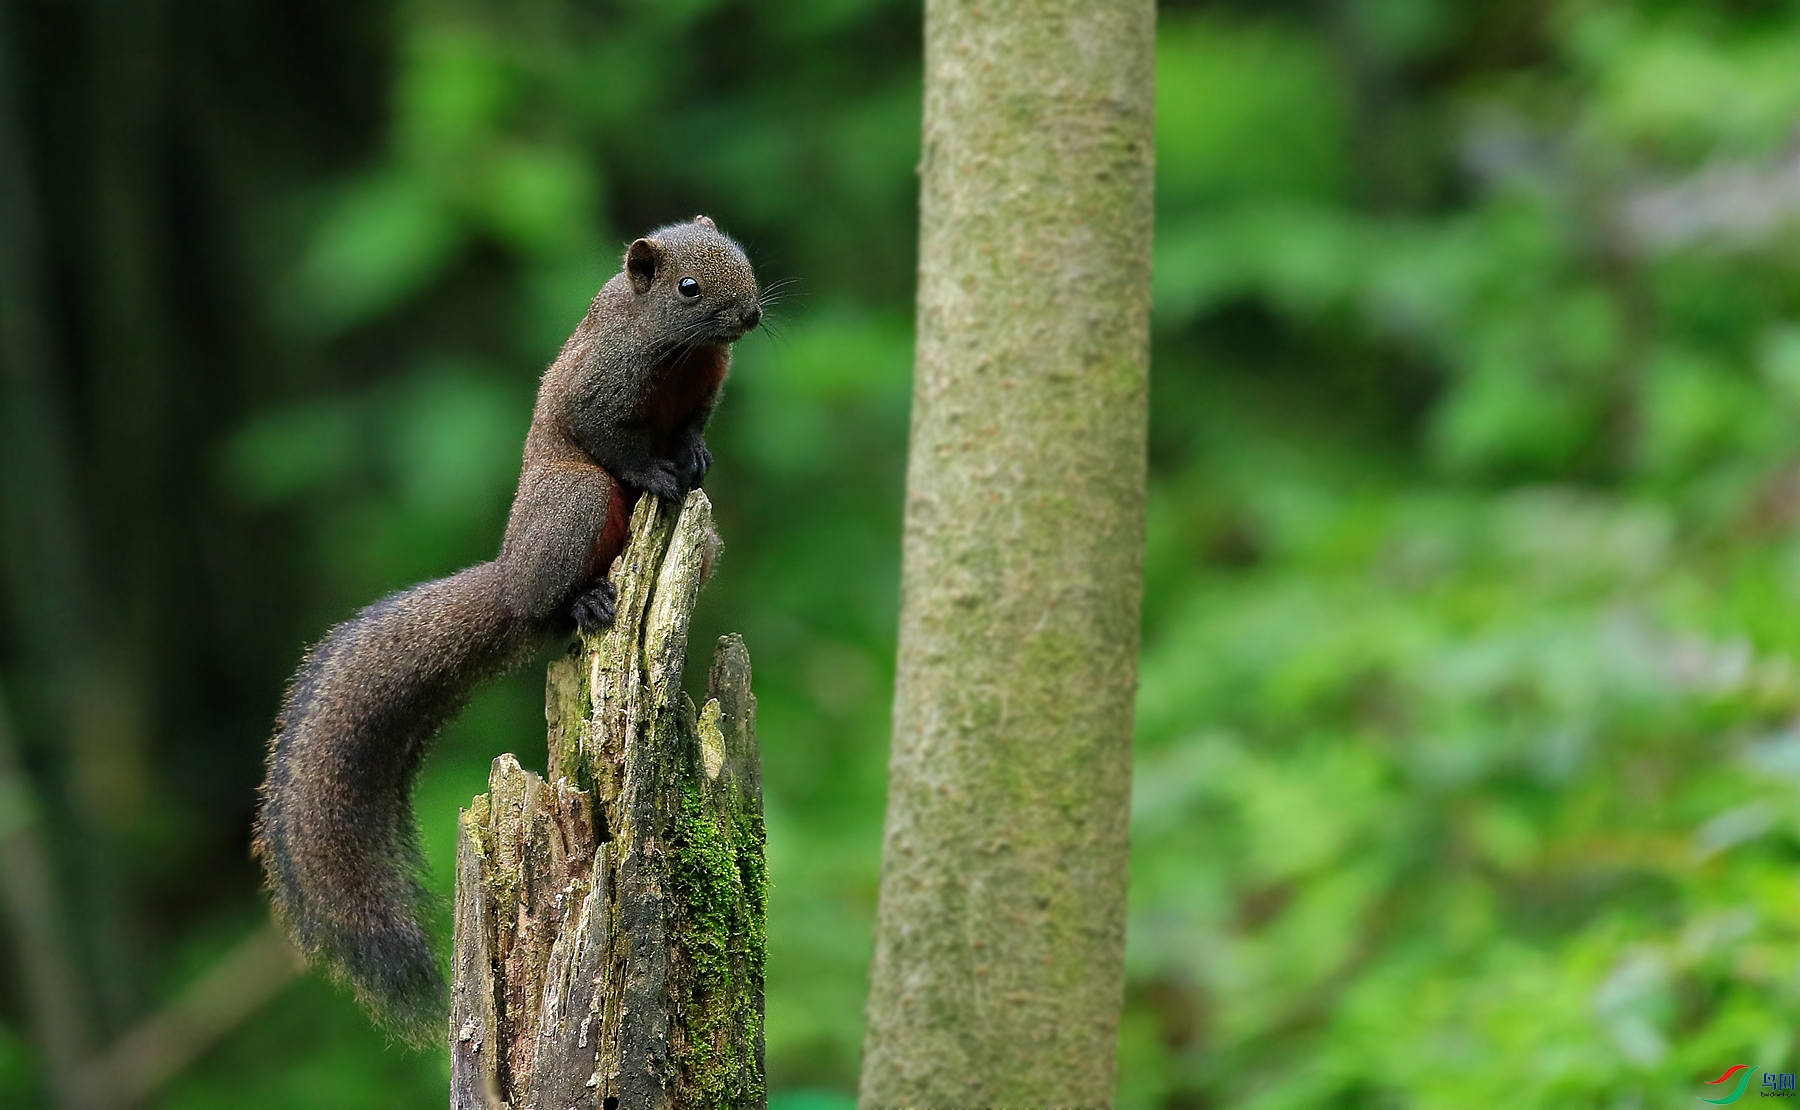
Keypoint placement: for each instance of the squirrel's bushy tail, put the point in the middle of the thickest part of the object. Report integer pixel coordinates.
(336, 831)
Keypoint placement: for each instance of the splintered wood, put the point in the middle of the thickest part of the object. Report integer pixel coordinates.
(609, 922)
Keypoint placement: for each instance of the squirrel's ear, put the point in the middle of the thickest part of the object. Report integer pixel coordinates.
(642, 259)
(706, 221)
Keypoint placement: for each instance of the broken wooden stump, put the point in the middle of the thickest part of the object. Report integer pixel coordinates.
(609, 920)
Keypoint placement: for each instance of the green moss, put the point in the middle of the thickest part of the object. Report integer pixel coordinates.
(720, 879)
(753, 876)
(475, 821)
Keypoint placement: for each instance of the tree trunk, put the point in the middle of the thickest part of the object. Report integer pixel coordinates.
(998, 970)
(609, 923)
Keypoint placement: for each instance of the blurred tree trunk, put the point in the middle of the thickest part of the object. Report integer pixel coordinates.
(998, 971)
(40, 607)
(609, 922)
(59, 441)
(53, 995)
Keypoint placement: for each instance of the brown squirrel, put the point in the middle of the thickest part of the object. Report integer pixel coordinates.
(620, 411)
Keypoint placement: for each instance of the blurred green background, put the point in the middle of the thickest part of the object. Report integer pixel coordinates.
(1468, 763)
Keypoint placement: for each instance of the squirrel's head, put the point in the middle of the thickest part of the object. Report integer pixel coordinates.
(696, 278)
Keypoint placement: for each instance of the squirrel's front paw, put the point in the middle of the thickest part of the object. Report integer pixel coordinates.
(595, 607)
(692, 461)
(661, 478)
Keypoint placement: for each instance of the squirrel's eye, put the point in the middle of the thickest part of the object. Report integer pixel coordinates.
(688, 287)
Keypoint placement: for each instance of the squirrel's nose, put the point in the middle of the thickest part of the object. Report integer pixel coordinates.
(752, 316)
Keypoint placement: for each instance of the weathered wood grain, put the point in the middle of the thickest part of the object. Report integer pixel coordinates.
(609, 923)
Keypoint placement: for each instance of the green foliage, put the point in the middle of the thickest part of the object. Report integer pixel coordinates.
(1466, 750)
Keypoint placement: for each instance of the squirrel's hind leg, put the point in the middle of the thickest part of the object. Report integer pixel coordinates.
(567, 524)
(595, 607)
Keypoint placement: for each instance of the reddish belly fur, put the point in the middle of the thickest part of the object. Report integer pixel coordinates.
(611, 539)
(686, 382)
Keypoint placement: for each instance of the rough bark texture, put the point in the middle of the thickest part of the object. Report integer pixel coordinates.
(999, 947)
(609, 923)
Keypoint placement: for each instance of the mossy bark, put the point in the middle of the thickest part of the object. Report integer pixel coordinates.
(609, 922)
(998, 967)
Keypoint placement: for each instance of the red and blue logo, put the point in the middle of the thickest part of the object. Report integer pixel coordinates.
(1775, 1084)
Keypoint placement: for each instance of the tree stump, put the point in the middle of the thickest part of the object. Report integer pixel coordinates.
(609, 922)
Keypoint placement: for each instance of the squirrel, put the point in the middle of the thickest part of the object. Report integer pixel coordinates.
(620, 412)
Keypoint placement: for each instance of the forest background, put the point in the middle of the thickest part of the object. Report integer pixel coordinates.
(1468, 769)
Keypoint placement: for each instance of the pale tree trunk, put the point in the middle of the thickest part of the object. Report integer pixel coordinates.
(609, 922)
(998, 971)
